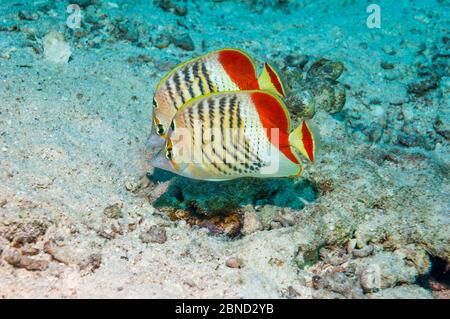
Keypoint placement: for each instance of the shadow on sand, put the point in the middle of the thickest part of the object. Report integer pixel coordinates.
(209, 198)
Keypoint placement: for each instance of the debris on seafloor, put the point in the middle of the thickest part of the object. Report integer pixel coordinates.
(312, 85)
(222, 208)
(155, 234)
(251, 223)
(86, 260)
(234, 262)
(56, 48)
(14, 258)
(229, 224)
(114, 211)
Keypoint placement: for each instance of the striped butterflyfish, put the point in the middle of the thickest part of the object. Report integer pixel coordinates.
(218, 71)
(229, 135)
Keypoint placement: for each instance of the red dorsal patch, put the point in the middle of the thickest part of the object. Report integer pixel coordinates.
(239, 68)
(274, 79)
(308, 141)
(272, 115)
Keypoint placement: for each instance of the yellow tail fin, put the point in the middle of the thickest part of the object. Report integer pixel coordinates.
(303, 139)
(270, 81)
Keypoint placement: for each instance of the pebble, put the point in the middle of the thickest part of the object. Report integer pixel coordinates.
(169, 6)
(234, 262)
(3, 202)
(387, 66)
(114, 211)
(14, 258)
(68, 256)
(296, 61)
(363, 252)
(389, 50)
(284, 218)
(184, 41)
(155, 234)
(370, 278)
(252, 223)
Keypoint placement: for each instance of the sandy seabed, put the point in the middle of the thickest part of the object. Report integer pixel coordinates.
(77, 211)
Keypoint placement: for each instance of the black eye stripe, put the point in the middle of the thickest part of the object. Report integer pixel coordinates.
(159, 129)
(169, 154)
(155, 105)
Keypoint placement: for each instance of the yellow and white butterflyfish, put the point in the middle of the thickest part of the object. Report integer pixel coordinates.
(218, 71)
(228, 135)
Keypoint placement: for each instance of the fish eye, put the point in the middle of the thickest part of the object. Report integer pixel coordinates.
(159, 129)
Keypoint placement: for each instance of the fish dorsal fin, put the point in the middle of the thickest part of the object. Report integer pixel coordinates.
(274, 115)
(240, 67)
(270, 81)
(303, 139)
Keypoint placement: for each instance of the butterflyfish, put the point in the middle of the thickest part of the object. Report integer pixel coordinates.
(227, 135)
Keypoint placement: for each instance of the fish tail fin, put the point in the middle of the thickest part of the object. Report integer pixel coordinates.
(270, 81)
(303, 139)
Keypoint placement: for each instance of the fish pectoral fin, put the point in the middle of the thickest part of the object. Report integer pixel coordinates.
(303, 140)
(270, 81)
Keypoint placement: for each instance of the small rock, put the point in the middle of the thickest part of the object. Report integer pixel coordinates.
(113, 211)
(326, 69)
(363, 252)
(3, 202)
(337, 282)
(29, 251)
(184, 41)
(387, 66)
(7, 53)
(333, 255)
(297, 61)
(252, 223)
(441, 127)
(155, 234)
(14, 258)
(389, 50)
(169, 6)
(162, 41)
(26, 15)
(87, 262)
(56, 49)
(371, 278)
(234, 263)
(422, 88)
(284, 218)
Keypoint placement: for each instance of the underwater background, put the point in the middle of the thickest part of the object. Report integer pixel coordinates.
(83, 214)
